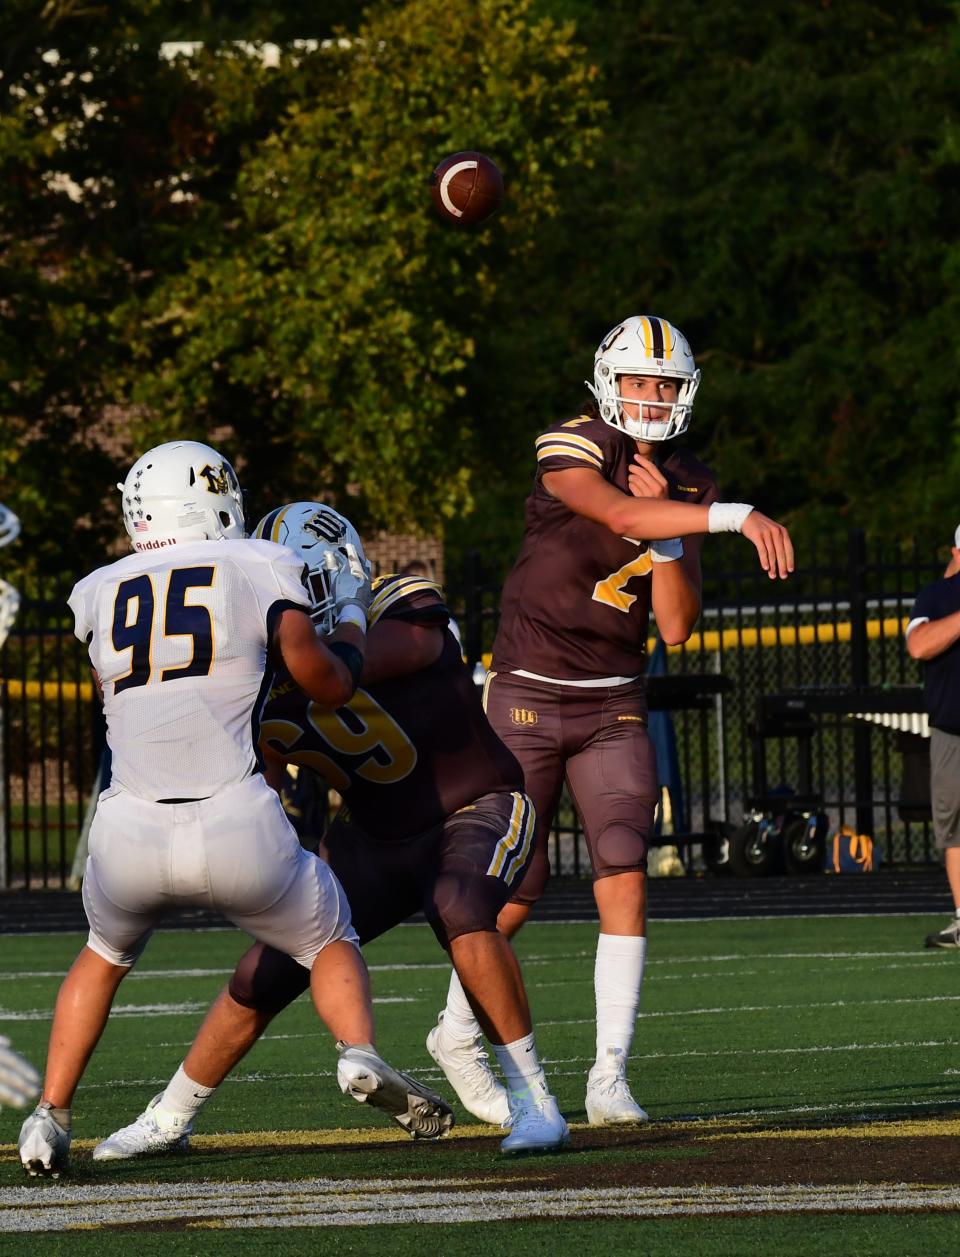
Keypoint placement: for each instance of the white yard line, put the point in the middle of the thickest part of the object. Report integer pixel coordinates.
(771, 1051)
(921, 958)
(366, 1202)
(720, 1011)
(162, 1010)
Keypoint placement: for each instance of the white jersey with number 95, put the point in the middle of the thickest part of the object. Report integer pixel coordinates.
(179, 638)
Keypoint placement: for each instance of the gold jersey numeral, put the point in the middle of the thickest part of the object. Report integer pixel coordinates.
(611, 591)
(388, 754)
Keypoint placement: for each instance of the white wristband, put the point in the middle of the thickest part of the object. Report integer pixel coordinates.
(727, 516)
(666, 551)
(351, 614)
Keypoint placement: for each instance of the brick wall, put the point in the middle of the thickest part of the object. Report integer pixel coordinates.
(389, 552)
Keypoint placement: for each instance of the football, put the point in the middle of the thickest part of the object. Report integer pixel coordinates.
(466, 188)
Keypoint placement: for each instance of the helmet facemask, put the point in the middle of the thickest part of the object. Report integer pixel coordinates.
(325, 540)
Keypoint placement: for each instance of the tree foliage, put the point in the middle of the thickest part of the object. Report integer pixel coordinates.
(99, 136)
(781, 182)
(333, 324)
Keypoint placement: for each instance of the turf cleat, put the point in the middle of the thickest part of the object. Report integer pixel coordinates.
(609, 1102)
(949, 937)
(44, 1145)
(363, 1074)
(147, 1135)
(467, 1069)
(537, 1125)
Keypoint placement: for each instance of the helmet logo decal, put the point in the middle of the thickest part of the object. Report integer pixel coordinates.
(216, 478)
(611, 339)
(324, 525)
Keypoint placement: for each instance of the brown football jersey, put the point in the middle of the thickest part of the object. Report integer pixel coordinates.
(405, 753)
(576, 604)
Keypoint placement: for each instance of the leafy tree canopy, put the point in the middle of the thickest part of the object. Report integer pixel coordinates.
(781, 182)
(219, 247)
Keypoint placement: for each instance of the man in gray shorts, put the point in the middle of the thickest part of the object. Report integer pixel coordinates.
(933, 636)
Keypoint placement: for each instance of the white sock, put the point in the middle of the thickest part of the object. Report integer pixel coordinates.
(521, 1068)
(957, 914)
(183, 1097)
(458, 1019)
(617, 978)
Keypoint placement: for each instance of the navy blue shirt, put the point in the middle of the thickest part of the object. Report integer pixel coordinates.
(941, 675)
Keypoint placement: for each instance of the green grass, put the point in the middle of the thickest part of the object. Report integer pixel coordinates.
(790, 1023)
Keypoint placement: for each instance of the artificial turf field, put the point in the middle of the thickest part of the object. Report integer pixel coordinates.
(801, 1075)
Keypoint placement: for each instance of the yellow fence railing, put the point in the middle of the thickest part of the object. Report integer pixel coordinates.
(783, 635)
(712, 640)
(70, 691)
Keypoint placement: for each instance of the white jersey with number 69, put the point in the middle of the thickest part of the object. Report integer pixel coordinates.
(179, 638)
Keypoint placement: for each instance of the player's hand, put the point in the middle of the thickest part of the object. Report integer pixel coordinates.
(352, 584)
(19, 1081)
(646, 479)
(773, 544)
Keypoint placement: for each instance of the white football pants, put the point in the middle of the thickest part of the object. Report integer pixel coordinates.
(235, 852)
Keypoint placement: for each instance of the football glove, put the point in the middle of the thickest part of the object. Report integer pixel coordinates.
(19, 1081)
(351, 583)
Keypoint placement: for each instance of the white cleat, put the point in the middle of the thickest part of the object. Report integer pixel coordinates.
(609, 1102)
(146, 1136)
(467, 1068)
(537, 1126)
(44, 1145)
(363, 1074)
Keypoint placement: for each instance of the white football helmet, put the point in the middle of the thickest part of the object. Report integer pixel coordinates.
(9, 525)
(326, 541)
(178, 492)
(645, 345)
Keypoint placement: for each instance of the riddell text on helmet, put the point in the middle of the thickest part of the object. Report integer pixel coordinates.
(155, 545)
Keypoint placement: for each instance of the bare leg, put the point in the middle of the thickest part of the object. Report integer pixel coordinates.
(622, 903)
(341, 995)
(512, 917)
(951, 858)
(490, 976)
(340, 987)
(227, 1034)
(81, 1012)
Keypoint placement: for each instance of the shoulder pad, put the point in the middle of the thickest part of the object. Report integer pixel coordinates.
(407, 597)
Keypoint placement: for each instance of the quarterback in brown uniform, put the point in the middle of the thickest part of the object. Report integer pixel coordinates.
(601, 550)
(435, 820)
